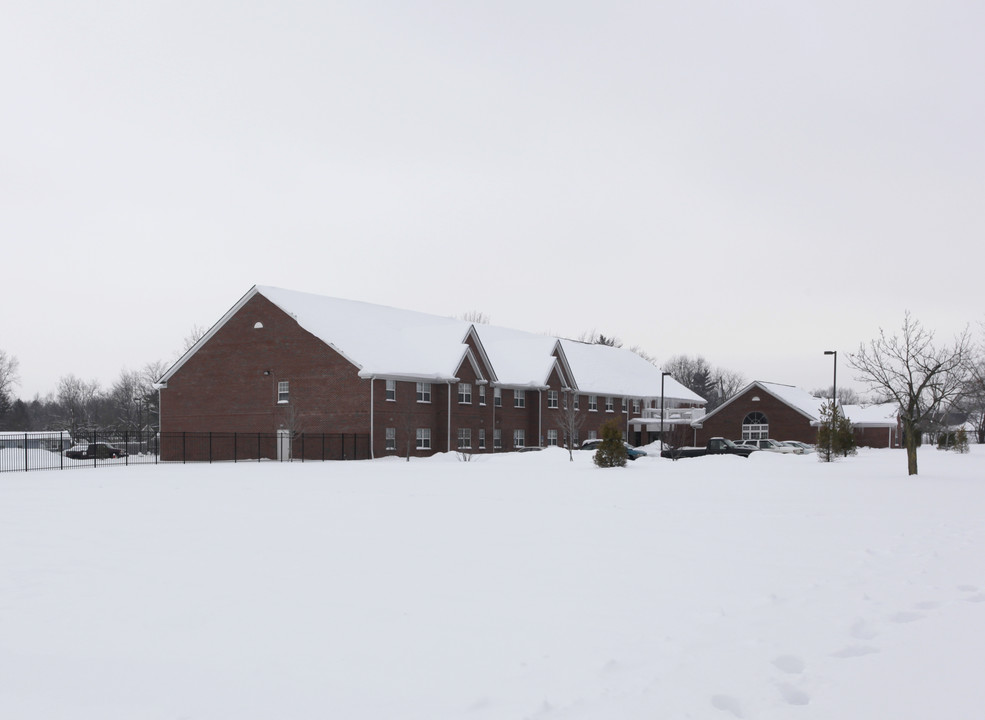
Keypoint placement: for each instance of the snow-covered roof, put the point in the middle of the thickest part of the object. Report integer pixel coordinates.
(884, 415)
(380, 340)
(606, 370)
(383, 341)
(518, 358)
(798, 399)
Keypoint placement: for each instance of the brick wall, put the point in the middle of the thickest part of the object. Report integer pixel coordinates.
(785, 423)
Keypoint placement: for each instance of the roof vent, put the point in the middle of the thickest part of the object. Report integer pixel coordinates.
(258, 325)
(755, 398)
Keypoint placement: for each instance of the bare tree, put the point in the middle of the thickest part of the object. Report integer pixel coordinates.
(8, 378)
(77, 399)
(593, 337)
(193, 336)
(569, 420)
(973, 400)
(643, 354)
(920, 377)
(727, 385)
(846, 396)
(476, 317)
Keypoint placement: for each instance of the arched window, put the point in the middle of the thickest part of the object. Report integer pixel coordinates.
(755, 426)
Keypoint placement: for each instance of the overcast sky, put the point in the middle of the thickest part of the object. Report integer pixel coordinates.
(755, 182)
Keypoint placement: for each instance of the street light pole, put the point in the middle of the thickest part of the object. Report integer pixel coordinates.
(834, 402)
(662, 376)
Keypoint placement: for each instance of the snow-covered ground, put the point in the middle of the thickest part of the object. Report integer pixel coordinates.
(516, 586)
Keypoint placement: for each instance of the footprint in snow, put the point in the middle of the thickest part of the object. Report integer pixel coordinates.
(968, 588)
(980, 597)
(927, 605)
(790, 664)
(792, 695)
(727, 703)
(905, 616)
(861, 630)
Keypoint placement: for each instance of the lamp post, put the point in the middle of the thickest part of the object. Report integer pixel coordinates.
(662, 376)
(834, 402)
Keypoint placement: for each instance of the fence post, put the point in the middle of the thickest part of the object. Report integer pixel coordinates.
(26, 464)
(210, 447)
(258, 447)
(61, 450)
(183, 453)
(126, 447)
(302, 447)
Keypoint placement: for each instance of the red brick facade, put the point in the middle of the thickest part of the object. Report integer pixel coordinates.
(785, 422)
(230, 384)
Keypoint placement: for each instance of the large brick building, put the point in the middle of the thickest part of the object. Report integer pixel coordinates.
(292, 363)
(784, 412)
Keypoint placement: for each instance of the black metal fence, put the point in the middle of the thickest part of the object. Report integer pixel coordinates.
(60, 451)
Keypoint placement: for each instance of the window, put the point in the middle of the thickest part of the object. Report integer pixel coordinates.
(593, 403)
(592, 435)
(608, 404)
(519, 398)
(498, 397)
(423, 392)
(391, 438)
(518, 438)
(465, 393)
(624, 404)
(391, 390)
(552, 438)
(636, 407)
(482, 438)
(576, 402)
(482, 394)
(552, 399)
(423, 438)
(755, 426)
(282, 391)
(464, 438)
(497, 439)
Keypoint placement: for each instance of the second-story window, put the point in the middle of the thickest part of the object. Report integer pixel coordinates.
(423, 392)
(391, 390)
(593, 403)
(482, 394)
(552, 398)
(608, 404)
(519, 398)
(283, 391)
(498, 397)
(465, 393)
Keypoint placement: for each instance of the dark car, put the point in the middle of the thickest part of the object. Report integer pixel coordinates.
(631, 452)
(94, 451)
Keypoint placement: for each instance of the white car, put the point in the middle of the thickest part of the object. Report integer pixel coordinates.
(771, 445)
(797, 444)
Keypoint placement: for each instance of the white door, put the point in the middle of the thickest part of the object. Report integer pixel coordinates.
(283, 445)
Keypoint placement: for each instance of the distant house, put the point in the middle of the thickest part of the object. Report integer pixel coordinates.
(286, 362)
(54, 440)
(785, 412)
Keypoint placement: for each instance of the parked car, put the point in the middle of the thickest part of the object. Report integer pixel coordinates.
(771, 445)
(797, 444)
(631, 452)
(94, 451)
(715, 446)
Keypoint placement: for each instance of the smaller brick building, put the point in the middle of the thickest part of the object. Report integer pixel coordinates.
(785, 412)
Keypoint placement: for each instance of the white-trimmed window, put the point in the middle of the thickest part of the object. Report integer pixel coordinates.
(283, 391)
(593, 403)
(552, 399)
(576, 403)
(636, 407)
(497, 439)
(518, 438)
(391, 438)
(519, 398)
(391, 390)
(498, 397)
(609, 403)
(755, 426)
(624, 404)
(593, 435)
(482, 394)
(552, 438)
(464, 438)
(423, 438)
(482, 438)
(465, 393)
(423, 392)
